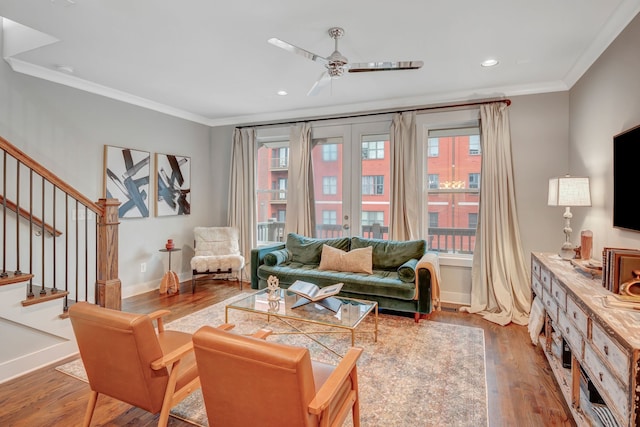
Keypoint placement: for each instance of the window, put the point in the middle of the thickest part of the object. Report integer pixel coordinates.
(473, 220)
(433, 219)
(373, 150)
(281, 185)
(474, 145)
(434, 181)
(372, 217)
(474, 180)
(433, 147)
(329, 185)
(373, 185)
(329, 152)
(453, 192)
(329, 217)
(280, 157)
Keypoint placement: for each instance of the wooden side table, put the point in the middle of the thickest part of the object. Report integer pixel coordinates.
(170, 282)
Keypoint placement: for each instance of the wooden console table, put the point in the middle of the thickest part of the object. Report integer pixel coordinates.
(604, 342)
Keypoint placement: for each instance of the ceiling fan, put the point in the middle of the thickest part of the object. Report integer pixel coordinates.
(336, 63)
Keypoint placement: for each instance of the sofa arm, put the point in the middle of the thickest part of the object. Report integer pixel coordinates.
(257, 259)
(428, 282)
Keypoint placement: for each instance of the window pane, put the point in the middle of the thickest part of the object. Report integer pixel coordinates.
(373, 185)
(453, 176)
(271, 191)
(373, 150)
(474, 145)
(433, 148)
(375, 197)
(327, 157)
(329, 185)
(329, 152)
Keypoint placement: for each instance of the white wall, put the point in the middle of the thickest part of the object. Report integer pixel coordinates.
(603, 103)
(66, 129)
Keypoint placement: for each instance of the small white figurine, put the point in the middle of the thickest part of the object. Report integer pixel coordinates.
(273, 288)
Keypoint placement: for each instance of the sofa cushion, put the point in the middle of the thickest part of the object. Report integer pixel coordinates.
(389, 255)
(308, 250)
(354, 261)
(383, 283)
(407, 271)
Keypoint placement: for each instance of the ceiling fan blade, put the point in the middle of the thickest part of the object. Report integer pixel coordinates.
(322, 82)
(298, 50)
(384, 66)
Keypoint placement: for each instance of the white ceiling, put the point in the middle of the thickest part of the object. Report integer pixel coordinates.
(210, 62)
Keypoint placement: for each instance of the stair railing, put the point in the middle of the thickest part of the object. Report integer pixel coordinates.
(67, 243)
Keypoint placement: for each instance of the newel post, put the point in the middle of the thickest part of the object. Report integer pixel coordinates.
(108, 284)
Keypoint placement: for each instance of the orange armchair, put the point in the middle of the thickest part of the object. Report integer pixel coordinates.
(249, 381)
(125, 358)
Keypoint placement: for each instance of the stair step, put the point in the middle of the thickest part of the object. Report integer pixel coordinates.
(11, 278)
(48, 295)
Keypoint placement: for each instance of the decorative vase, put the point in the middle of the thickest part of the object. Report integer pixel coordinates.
(169, 244)
(586, 244)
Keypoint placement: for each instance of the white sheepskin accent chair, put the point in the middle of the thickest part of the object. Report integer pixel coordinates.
(216, 252)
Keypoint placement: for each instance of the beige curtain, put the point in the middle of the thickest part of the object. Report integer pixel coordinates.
(300, 201)
(242, 191)
(500, 288)
(405, 212)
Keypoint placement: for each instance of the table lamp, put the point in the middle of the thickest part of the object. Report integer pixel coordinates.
(568, 191)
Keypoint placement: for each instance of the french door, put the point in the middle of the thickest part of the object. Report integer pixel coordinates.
(351, 176)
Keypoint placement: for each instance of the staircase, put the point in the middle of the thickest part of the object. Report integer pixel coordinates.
(57, 247)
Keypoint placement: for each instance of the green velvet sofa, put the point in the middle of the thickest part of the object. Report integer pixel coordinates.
(401, 278)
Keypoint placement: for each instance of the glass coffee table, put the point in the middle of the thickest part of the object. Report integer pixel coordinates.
(351, 313)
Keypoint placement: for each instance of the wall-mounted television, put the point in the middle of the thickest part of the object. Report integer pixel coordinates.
(626, 179)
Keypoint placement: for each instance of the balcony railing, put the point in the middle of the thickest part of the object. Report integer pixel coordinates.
(452, 240)
(279, 163)
(441, 239)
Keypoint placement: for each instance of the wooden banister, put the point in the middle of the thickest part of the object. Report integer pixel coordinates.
(53, 179)
(26, 215)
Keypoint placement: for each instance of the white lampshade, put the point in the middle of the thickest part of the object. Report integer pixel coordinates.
(569, 191)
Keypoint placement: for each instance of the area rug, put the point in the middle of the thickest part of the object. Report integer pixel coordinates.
(419, 374)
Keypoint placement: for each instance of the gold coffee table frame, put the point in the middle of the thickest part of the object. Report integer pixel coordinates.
(352, 313)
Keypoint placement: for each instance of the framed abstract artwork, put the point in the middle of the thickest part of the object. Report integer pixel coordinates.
(173, 185)
(127, 175)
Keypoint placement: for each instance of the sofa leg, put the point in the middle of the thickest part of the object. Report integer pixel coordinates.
(418, 316)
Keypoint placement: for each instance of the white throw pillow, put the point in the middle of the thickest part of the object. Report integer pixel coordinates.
(355, 261)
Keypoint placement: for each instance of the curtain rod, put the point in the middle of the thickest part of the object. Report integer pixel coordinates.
(417, 110)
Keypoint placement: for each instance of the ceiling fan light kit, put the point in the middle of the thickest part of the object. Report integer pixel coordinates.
(336, 63)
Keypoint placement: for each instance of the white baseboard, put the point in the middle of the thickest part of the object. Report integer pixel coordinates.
(455, 297)
(30, 362)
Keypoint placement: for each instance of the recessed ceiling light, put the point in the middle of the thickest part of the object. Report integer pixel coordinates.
(282, 93)
(489, 63)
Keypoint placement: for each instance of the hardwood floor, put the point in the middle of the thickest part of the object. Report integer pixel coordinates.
(521, 389)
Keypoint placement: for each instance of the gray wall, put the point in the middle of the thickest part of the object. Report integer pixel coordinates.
(603, 103)
(66, 129)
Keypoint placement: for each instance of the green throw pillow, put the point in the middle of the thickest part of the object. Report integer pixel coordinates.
(307, 250)
(277, 257)
(390, 254)
(407, 271)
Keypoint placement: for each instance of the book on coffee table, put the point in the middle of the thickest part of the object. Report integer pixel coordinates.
(310, 292)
